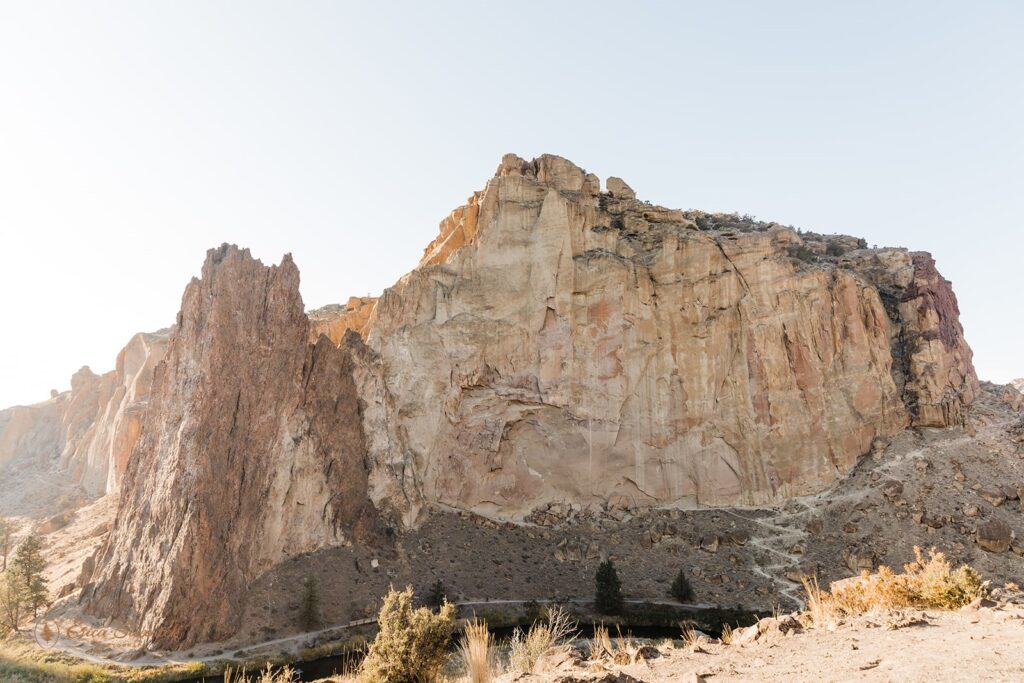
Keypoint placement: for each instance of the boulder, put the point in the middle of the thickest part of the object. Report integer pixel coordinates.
(710, 543)
(993, 497)
(619, 189)
(994, 536)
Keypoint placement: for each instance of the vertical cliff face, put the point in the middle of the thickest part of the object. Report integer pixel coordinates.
(103, 414)
(251, 451)
(932, 362)
(558, 343)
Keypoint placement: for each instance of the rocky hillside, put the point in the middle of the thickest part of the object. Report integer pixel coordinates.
(557, 344)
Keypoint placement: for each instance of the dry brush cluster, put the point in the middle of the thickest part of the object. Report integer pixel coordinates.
(926, 583)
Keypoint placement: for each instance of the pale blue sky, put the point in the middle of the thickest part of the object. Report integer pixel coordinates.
(135, 135)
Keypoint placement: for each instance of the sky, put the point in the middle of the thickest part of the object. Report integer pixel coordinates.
(134, 136)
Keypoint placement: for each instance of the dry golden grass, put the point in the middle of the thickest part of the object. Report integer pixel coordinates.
(285, 675)
(689, 635)
(620, 649)
(926, 583)
(601, 643)
(526, 648)
(477, 651)
(726, 636)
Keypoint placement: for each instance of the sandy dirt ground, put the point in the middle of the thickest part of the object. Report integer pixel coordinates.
(985, 644)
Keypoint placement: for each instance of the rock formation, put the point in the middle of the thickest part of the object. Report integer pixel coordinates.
(81, 437)
(252, 451)
(334, 320)
(555, 344)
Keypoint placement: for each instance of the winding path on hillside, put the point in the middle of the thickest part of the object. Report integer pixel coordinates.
(777, 543)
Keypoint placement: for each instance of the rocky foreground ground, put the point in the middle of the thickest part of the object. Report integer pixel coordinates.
(975, 643)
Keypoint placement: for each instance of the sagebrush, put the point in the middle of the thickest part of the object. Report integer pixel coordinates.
(926, 583)
(526, 648)
(411, 644)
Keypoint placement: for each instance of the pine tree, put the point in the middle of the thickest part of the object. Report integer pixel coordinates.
(310, 608)
(29, 565)
(437, 595)
(681, 589)
(608, 593)
(6, 534)
(13, 600)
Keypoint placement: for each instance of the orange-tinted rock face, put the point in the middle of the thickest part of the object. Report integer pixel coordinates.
(335, 321)
(251, 451)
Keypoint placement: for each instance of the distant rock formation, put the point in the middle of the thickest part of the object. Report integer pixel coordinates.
(81, 437)
(555, 344)
(335, 320)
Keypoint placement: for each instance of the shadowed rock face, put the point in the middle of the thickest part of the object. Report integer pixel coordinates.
(555, 344)
(252, 451)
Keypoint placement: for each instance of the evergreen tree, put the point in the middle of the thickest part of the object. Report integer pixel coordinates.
(14, 600)
(29, 564)
(6, 538)
(310, 607)
(681, 589)
(608, 593)
(437, 595)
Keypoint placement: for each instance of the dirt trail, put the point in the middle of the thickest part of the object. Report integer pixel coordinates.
(778, 543)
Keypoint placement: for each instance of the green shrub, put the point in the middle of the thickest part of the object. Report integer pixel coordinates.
(411, 644)
(835, 248)
(803, 253)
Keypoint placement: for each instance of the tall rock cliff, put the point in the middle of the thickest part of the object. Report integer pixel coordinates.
(556, 343)
(559, 343)
(252, 451)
